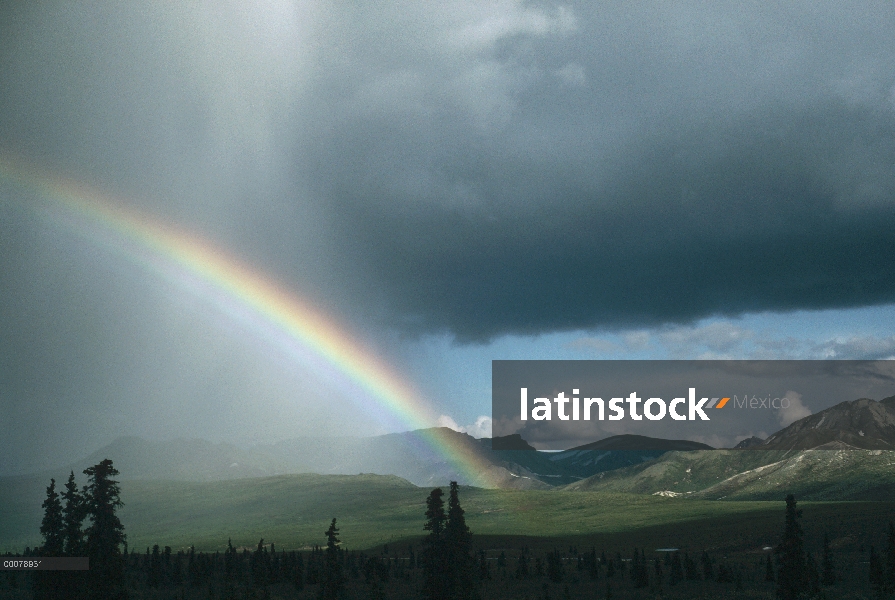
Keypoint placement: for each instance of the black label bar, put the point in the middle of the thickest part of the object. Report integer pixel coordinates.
(44, 563)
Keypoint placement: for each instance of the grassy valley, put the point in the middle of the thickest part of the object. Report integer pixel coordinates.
(293, 510)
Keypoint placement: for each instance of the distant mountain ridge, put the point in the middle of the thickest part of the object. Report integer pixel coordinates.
(581, 462)
(622, 463)
(845, 452)
(862, 423)
(409, 455)
(641, 442)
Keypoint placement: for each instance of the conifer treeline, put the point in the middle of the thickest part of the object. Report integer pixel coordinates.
(82, 522)
(64, 534)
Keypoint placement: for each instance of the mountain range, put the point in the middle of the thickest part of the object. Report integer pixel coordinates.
(627, 463)
(409, 455)
(846, 452)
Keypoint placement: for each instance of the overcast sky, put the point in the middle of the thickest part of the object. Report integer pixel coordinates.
(455, 182)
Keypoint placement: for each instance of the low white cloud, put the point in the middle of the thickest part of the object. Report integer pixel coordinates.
(480, 429)
(858, 347)
(718, 337)
(446, 421)
(795, 411)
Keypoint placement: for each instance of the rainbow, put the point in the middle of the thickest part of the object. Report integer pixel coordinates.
(242, 292)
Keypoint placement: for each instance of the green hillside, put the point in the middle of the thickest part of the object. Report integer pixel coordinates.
(680, 472)
(817, 474)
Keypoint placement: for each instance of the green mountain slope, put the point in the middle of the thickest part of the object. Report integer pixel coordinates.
(818, 474)
(679, 472)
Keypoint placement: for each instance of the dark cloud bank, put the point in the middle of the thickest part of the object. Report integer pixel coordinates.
(485, 171)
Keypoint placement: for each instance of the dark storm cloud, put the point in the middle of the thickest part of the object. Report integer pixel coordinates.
(482, 170)
(463, 167)
(618, 167)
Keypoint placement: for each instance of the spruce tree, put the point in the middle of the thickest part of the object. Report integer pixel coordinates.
(792, 575)
(47, 583)
(332, 581)
(154, 574)
(259, 565)
(522, 565)
(690, 571)
(593, 564)
(73, 518)
(298, 573)
(554, 566)
(484, 567)
(812, 575)
(707, 572)
(457, 539)
(52, 527)
(230, 559)
(105, 533)
(435, 566)
(675, 571)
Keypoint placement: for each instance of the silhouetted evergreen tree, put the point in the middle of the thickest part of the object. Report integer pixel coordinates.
(332, 582)
(105, 533)
(273, 565)
(522, 565)
(792, 576)
(259, 565)
(312, 573)
(690, 571)
(554, 566)
(675, 571)
(52, 526)
(435, 568)
(828, 569)
(707, 571)
(593, 565)
(457, 539)
(230, 559)
(46, 583)
(812, 575)
(154, 574)
(192, 568)
(639, 569)
(298, 573)
(373, 576)
(484, 567)
(73, 518)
